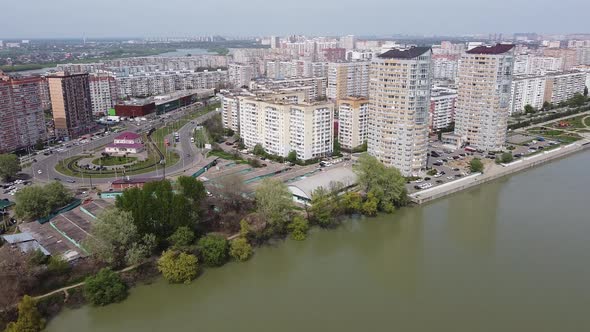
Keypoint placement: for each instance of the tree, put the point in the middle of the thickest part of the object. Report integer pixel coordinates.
(39, 201)
(192, 188)
(298, 228)
(39, 145)
(58, 265)
(9, 166)
(104, 288)
(213, 249)
(432, 172)
(229, 132)
(177, 267)
(322, 207)
(230, 192)
(352, 202)
(115, 239)
(336, 149)
(506, 157)
(528, 109)
(244, 228)
(259, 150)
(292, 156)
(585, 91)
(577, 100)
(386, 183)
(369, 207)
(182, 237)
(240, 249)
(476, 165)
(274, 202)
(29, 319)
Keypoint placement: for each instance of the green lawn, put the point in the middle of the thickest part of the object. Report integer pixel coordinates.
(113, 161)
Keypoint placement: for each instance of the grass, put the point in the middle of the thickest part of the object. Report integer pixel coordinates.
(113, 161)
(224, 155)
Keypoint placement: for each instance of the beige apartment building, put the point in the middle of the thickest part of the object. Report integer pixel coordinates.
(71, 104)
(563, 86)
(281, 126)
(483, 99)
(353, 122)
(348, 79)
(399, 95)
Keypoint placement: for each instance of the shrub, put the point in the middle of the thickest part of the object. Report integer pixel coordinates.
(58, 265)
(369, 207)
(182, 237)
(240, 249)
(432, 172)
(298, 228)
(29, 319)
(476, 165)
(213, 249)
(177, 267)
(104, 288)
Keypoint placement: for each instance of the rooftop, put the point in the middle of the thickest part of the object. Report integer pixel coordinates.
(496, 49)
(410, 53)
(126, 146)
(306, 186)
(128, 136)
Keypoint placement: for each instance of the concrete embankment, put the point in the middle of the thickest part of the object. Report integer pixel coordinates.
(498, 171)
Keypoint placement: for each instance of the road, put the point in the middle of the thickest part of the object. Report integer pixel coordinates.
(189, 154)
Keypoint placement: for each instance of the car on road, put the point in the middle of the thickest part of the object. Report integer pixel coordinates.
(439, 181)
(70, 181)
(39, 172)
(57, 179)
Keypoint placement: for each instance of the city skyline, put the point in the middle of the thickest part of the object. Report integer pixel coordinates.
(134, 18)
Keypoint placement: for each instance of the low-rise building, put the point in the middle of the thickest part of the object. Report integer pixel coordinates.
(126, 143)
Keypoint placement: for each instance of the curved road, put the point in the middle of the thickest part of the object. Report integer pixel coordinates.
(189, 154)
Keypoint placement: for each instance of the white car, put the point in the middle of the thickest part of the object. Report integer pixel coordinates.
(450, 177)
(39, 172)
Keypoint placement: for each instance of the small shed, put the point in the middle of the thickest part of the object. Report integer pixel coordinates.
(25, 242)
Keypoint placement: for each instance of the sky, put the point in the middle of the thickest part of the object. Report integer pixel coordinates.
(161, 18)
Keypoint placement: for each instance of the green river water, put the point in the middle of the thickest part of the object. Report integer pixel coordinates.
(512, 255)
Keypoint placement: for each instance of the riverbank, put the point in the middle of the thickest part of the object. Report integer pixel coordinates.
(497, 171)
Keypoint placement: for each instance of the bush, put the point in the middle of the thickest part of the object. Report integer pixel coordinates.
(506, 157)
(432, 172)
(58, 265)
(298, 228)
(214, 250)
(182, 237)
(104, 288)
(352, 202)
(177, 267)
(240, 249)
(369, 207)
(37, 258)
(29, 319)
(476, 165)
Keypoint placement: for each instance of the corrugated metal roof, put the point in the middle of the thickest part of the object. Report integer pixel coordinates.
(306, 186)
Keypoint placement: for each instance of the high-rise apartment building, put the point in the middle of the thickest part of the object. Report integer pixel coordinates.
(483, 100)
(240, 74)
(568, 56)
(442, 108)
(399, 95)
(230, 112)
(444, 67)
(348, 42)
(21, 112)
(353, 122)
(275, 42)
(563, 86)
(103, 93)
(282, 126)
(348, 79)
(71, 104)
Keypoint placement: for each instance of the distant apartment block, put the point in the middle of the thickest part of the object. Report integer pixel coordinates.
(157, 83)
(230, 112)
(314, 87)
(444, 67)
(21, 111)
(103, 93)
(527, 90)
(528, 64)
(399, 97)
(568, 56)
(280, 127)
(240, 74)
(71, 104)
(353, 122)
(563, 86)
(442, 108)
(483, 99)
(348, 79)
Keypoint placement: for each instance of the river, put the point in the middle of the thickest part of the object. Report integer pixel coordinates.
(511, 255)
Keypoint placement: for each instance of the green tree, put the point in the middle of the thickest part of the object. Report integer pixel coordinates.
(240, 249)
(352, 202)
(432, 172)
(9, 166)
(292, 156)
(57, 195)
(29, 319)
(577, 100)
(385, 183)
(298, 228)
(586, 91)
(336, 151)
(369, 207)
(274, 202)
(39, 201)
(182, 237)
(39, 145)
(323, 207)
(244, 228)
(259, 150)
(104, 288)
(115, 239)
(476, 165)
(506, 157)
(58, 265)
(213, 249)
(178, 267)
(528, 109)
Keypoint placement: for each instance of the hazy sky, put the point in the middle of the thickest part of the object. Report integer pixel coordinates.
(143, 18)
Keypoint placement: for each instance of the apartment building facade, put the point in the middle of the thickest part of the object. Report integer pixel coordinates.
(281, 127)
(483, 99)
(527, 90)
(103, 93)
(442, 108)
(146, 84)
(348, 79)
(71, 104)
(240, 74)
(563, 86)
(399, 95)
(353, 122)
(21, 111)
